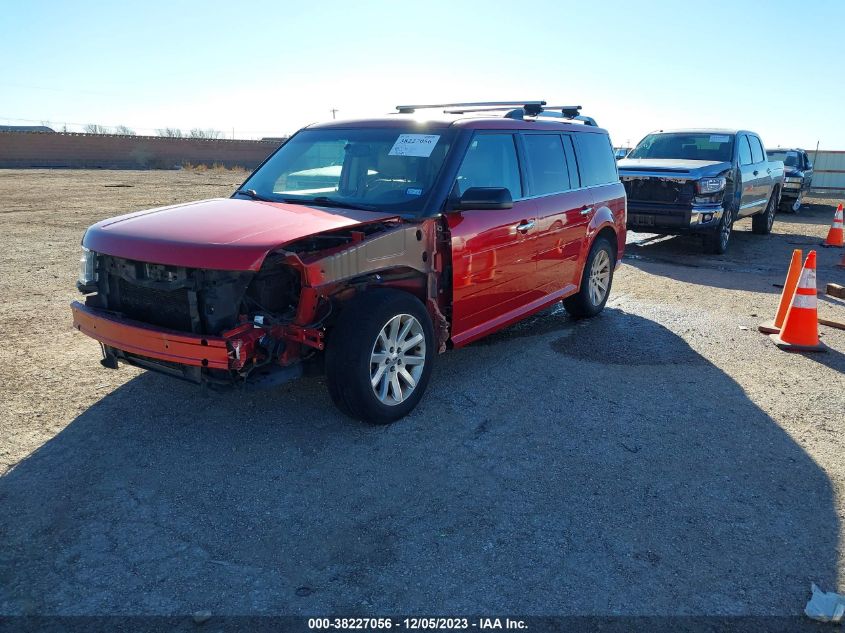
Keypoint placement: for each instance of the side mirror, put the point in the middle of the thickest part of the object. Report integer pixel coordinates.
(485, 198)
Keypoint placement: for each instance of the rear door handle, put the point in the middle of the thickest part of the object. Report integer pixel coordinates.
(756, 172)
(586, 210)
(525, 226)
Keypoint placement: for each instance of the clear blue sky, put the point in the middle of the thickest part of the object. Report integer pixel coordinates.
(266, 68)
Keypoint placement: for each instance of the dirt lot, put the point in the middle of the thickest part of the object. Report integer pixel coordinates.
(663, 458)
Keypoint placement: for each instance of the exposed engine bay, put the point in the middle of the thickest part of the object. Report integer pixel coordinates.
(276, 316)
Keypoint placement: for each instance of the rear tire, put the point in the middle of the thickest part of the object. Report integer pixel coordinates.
(596, 281)
(762, 223)
(370, 375)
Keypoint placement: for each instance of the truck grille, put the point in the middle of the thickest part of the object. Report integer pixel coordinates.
(659, 190)
(165, 308)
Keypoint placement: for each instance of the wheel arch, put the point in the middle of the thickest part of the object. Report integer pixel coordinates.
(602, 225)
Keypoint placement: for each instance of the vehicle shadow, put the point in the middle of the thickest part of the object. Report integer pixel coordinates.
(752, 263)
(544, 474)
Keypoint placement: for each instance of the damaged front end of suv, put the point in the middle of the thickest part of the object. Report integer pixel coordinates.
(234, 326)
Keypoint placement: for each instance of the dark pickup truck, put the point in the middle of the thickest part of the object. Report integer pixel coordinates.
(700, 181)
(798, 177)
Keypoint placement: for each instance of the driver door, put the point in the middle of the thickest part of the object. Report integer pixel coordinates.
(493, 251)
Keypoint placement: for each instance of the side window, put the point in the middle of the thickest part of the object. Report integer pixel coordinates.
(595, 159)
(490, 161)
(744, 151)
(548, 172)
(756, 149)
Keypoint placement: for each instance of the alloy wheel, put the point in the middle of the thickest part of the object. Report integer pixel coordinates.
(599, 277)
(770, 212)
(397, 359)
(725, 232)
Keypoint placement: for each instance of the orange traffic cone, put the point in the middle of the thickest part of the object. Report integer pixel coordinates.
(800, 331)
(773, 327)
(835, 236)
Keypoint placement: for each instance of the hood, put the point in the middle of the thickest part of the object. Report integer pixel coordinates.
(671, 167)
(217, 234)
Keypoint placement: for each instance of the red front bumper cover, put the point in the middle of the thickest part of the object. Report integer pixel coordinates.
(214, 352)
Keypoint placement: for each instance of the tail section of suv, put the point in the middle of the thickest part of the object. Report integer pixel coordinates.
(375, 244)
(700, 181)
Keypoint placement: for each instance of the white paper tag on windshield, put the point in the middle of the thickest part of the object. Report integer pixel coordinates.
(414, 145)
(720, 138)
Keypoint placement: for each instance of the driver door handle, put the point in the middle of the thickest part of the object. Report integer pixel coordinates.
(525, 226)
(756, 172)
(586, 211)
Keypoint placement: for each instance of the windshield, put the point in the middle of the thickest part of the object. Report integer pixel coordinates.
(378, 169)
(686, 146)
(790, 159)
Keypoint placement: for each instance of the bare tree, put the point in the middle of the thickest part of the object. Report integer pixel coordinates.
(171, 132)
(122, 129)
(198, 133)
(93, 128)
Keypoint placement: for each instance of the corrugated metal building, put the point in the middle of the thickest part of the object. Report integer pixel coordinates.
(829, 171)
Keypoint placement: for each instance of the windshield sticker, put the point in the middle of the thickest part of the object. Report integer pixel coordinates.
(720, 138)
(414, 145)
(413, 191)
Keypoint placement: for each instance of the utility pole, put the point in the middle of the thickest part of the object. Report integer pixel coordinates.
(333, 111)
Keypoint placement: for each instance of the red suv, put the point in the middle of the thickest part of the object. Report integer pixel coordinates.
(366, 246)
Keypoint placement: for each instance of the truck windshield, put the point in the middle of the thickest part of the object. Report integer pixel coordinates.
(379, 169)
(686, 146)
(790, 159)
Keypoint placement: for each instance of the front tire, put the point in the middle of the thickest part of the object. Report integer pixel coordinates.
(762, 223)
(379, 356)
(717, 243)
(595, 281)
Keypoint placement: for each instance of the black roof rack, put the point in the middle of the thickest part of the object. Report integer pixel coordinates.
(515, 109)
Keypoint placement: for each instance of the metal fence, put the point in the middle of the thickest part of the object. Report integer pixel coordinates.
(112, 151)
(829, 171)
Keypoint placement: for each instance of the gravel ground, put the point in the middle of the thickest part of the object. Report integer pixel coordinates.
(663, 458)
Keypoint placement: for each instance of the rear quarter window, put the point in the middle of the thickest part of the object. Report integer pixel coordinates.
(595, 159)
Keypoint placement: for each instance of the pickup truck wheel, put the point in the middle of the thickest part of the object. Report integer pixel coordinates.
(595, 282)
(762, 223)
(379, 356)
(717, 243)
